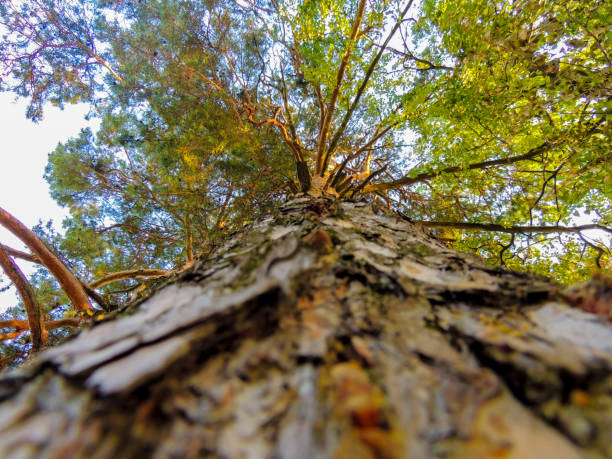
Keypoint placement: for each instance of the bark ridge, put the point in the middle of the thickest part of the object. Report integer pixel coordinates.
(330, 329)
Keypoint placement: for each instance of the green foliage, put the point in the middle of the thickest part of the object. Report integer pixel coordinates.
(525, 73)
(51, 52)
(207, 107)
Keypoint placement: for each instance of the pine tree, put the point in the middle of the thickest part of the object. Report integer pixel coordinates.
(295, 181)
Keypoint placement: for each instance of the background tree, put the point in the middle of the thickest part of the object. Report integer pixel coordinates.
(530, 78)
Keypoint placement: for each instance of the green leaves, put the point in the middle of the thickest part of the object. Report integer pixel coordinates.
(476, 112)
(525, 73)
(51, 52)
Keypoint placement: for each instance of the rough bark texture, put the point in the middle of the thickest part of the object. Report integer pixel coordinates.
(327, 330)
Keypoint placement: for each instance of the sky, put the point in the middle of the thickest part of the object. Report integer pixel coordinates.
(24, 147)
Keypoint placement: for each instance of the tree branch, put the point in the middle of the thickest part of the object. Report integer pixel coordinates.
(32, 308)
(66, 279)
(504, 248)
(599, 250)
(319, 168)
(514, 229)
(49, 325)
(53, 17)
(91, 293)
(430, 65)
(18, 254)
(130, 274)
(363, 85)
(406, 180)
(362, 185)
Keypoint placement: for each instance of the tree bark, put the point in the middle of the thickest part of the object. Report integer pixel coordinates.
(330, 329)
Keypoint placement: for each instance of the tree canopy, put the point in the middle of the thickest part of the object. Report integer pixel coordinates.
(486, 121)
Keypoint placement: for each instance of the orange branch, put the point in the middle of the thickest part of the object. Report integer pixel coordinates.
(66, 279)
(19, 254)
(35, 323)
(22, 325)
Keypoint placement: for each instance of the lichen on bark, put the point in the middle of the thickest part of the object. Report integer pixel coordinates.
(331, 329)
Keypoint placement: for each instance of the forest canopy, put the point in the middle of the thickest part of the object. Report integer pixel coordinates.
(486, 121)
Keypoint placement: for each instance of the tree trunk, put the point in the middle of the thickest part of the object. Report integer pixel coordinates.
(326, 330)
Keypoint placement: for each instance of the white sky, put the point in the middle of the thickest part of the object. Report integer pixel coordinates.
(24, 147)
